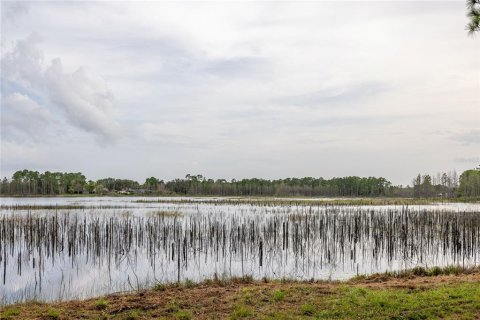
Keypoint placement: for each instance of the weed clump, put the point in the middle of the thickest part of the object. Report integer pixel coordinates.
(183, 315)
(308, 310)
(278, 295)
(159, 287)
(53, 314)
(189, 283)
(172, 307)
(101, 304)
(241, 311)
(132, 315)
(10, 312)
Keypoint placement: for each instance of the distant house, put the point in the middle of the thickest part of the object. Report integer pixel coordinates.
(127, 191)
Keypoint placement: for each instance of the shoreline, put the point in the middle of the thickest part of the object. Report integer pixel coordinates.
(419, 293)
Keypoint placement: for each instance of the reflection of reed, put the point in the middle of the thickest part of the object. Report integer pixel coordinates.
(303, 238)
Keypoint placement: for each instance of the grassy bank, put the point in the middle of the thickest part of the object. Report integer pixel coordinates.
(450, 293)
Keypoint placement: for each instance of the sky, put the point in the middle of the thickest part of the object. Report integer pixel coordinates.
(239, 89)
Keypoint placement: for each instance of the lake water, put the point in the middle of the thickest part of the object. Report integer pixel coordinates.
(68, 248)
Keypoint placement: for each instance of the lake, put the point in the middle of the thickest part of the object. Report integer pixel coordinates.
(79, 247)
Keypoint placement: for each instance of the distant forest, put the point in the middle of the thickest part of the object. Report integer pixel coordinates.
(445, 185)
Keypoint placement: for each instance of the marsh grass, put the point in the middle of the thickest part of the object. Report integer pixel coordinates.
(284, 240)
(214, 281)
(29, 207)
(305, 201)
(163, 213)
(420, 272)
(160, 287)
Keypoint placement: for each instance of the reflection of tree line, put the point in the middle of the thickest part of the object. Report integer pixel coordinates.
(27, 182)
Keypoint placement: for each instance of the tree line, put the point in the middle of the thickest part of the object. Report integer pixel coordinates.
(27, 182)
(308, 186)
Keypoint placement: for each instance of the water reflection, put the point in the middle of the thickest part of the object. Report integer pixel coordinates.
(77, 253)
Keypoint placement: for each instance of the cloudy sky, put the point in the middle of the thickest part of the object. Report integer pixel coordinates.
(235, 90)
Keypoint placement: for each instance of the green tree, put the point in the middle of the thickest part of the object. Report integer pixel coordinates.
(469, 183)
(5, 186)
(99, 188)
(90, 186)
(473, 13)
(152, 184)
(427, 186)
(417, 182)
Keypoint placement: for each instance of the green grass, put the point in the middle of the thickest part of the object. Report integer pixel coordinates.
(160, 287)
(308, 310)
(101, 304)
(183, 315)
(280, 315)
(247, 296)
(172, 307)
(132, 315)
(460, 301)
(278, 295)
(9, 312)
(241, 311)
(53, 314)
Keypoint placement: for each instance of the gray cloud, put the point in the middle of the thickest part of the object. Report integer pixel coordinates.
(24, 63)
(83, 96)
(470, 160)
(468, 137)
(336, 97)
(237, 67)
(10, 10)
(23, 120)
(166, 60)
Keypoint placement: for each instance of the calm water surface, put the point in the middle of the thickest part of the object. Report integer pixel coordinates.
(83, 247)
